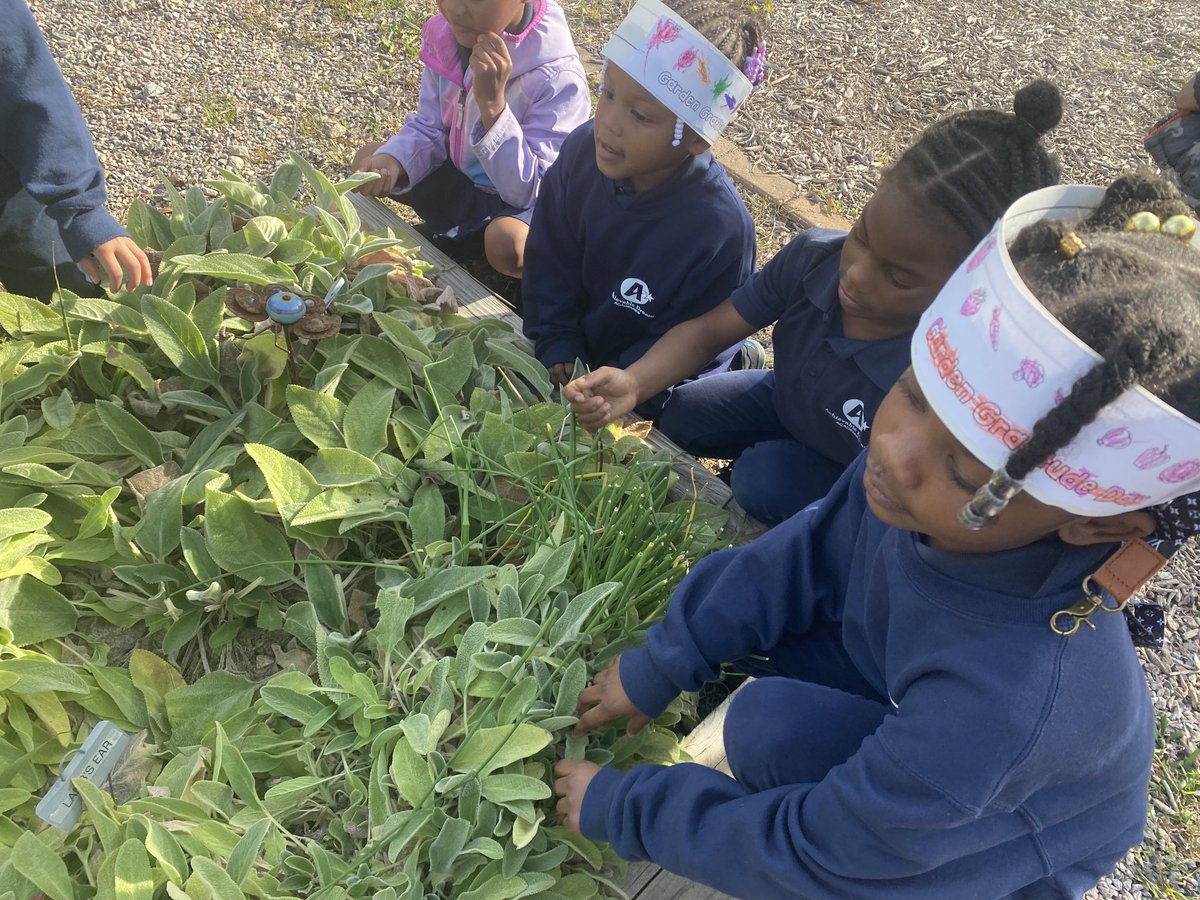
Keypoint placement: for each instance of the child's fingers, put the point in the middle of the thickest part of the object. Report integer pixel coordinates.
(636, 724)
(90, 268)
(595, 420)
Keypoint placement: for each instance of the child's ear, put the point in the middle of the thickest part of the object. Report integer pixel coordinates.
(1108, 529)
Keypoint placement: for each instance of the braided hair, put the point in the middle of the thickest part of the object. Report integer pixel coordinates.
(728, 27)
(973, 165)
(1133, 297)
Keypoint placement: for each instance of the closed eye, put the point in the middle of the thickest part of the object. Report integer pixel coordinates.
(916, 402)
(957, 477)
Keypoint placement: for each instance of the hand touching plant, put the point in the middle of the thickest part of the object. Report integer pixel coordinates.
(574, 776)
(124, 262)
(491, 66)
(601, 396)
(392, 176)
(560, 373)
(604, 700)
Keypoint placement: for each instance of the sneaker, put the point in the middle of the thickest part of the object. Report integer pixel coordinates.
(752, 355)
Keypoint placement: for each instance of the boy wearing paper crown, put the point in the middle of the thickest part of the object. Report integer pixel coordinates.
(637, 227)
(943, 726)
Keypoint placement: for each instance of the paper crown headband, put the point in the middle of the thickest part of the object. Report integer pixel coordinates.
(992, 361)
(679, 67)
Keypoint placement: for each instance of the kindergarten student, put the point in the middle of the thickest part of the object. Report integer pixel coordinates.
(943, 726)
(638, 227)
(53, 223)
(501, 89)
(844, 308)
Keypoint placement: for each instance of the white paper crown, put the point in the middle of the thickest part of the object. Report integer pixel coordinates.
(679, 67)
(992, 361)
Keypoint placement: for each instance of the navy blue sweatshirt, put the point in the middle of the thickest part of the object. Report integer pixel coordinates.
(1015, 762)
(609, 271)
(44, 139)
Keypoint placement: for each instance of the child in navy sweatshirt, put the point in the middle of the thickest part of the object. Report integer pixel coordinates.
(935, 723)
(52, 217)
(844, 306)
(637, 227)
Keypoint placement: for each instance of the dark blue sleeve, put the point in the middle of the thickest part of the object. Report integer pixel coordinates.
(44, 137)
(741, 601)
(552, 287)
(762, 299)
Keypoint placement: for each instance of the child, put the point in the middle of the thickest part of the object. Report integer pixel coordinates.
(501, 89)
(845, 305)
(1174, 142)
(52, 217)
(944, 728)
(638, 228)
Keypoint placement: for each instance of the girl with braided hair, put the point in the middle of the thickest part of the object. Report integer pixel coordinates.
(844, 308)
(637, 226)
(930, 719)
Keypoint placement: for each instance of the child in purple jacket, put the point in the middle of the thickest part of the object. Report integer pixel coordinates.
(501, 89)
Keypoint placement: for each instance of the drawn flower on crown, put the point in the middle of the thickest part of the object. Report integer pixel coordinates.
(686, 58)
(1180, 472)
(1030, 372)
(1155, 456)
(719, 88)
(994, 329)
(974, 302)
(1117, 438)
(702, 69)
(665, 32)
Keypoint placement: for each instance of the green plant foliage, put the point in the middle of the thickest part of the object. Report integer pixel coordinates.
(435, 555)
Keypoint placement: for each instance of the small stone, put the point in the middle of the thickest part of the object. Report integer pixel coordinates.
(239, 150)
(337, 130)
(237, 163)
(153, 90)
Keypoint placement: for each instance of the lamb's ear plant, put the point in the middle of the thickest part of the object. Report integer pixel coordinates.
(347, 592)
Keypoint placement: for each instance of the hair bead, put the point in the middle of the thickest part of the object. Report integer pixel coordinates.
(989, 500)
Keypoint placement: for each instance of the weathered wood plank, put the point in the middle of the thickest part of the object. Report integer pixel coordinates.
(476, 301)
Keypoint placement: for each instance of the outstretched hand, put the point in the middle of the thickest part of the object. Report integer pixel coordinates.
(491, 66)
(123, 261)
(574, 776)
(604, 700)
(602, 396)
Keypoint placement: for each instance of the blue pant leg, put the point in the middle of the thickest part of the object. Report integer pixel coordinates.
(719, 416)
(32, 253)
(774, 480)
(780, 731)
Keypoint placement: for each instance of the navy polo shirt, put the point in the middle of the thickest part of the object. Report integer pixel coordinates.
(827, 387)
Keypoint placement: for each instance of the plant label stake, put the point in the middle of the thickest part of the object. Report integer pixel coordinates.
(96, 760)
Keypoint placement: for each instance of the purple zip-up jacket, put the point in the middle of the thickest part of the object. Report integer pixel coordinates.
(546, 99)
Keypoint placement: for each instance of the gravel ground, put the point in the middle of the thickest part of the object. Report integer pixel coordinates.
(183, 86)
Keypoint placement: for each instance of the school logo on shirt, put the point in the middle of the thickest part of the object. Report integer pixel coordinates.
(853, 418)
(634, 295)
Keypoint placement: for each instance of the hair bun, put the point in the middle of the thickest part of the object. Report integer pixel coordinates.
(1039, 105)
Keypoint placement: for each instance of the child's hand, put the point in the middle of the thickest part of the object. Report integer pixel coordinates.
(391, 173)
(604, 700)
(574, 776)
(124, 262)
(491, 66)
(602, 396)
(560, 373)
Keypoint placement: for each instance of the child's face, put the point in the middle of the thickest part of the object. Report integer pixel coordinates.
(634, 133)
(919, 476)
(471, 18)
(898, 256)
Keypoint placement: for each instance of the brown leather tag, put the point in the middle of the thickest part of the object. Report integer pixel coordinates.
(1126, 571)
